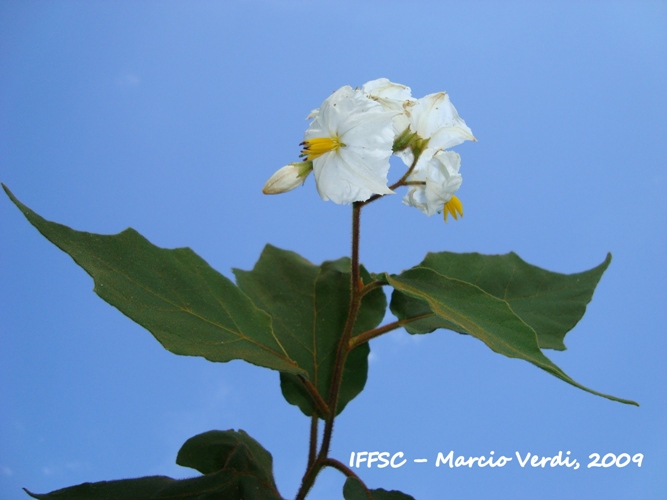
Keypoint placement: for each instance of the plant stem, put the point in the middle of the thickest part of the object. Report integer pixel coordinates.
(370, 287)
(376, 332)
(308, 479)
(312, 450)
(332, 462)
(317, 399)
(343, 347)
(400, 182)
(356, 287)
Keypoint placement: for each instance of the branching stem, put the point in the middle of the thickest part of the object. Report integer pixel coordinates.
(345, 345)
(370, 287)
(332, 462)
(376, 332)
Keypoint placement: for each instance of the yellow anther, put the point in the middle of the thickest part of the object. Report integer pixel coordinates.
(314, 148)
(454, 207)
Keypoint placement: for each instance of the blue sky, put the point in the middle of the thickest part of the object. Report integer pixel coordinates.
(169, 117)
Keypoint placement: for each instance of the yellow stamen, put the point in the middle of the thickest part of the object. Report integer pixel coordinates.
(454, 207)
(314, 148)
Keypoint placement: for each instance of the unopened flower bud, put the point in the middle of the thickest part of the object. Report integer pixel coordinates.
(288, 177)
(403, 140)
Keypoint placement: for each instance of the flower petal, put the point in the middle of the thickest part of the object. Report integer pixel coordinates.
(345, 176)
(434, 117)
(391, 96)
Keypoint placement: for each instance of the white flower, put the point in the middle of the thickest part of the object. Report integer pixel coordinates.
(435, 119)
(350, 142)
(438, 170)
(288, 177)
(391, 96)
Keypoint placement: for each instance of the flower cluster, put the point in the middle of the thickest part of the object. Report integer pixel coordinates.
(354, 133)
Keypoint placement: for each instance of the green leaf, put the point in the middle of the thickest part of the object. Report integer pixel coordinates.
(474, 311)
(190, 308)
(405, 307)
(354, 490)
(137, 489)
(309, 305)
(224, 484)
(551, 303)
(237, 468)
(381, 278)
(217, 450)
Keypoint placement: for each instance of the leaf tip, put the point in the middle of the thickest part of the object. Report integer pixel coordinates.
(9, 193)
(15, 200)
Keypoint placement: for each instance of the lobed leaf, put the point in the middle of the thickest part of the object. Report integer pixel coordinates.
(471, 309)
(189, 307)
(550, 303)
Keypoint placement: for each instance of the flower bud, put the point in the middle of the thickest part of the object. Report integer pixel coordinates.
(403, 140)
(288, 177)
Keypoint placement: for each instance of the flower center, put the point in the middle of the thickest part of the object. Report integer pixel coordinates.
(454, 207)
(314, 148)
